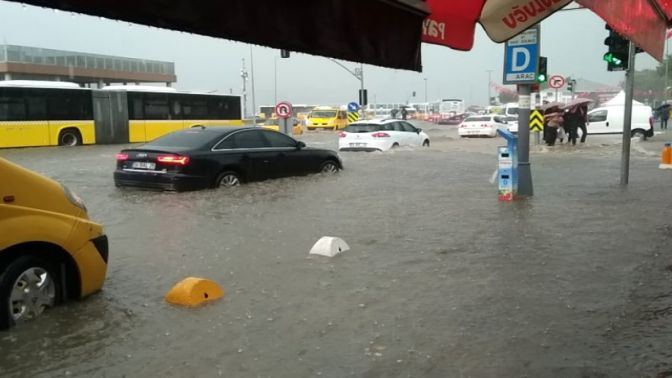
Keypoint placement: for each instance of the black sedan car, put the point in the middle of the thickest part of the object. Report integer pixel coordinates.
(216, 157)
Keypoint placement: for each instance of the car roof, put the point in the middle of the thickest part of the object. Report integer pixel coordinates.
(217, 130)
(375, 121)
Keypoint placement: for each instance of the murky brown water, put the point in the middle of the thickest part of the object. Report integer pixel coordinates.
(442, 279)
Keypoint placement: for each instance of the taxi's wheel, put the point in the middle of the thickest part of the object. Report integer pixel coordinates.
(329, 166)
(227, 179)
(28, 286)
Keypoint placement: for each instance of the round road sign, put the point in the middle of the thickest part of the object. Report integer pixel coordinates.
(283, 109)
(556, 81)
(353, 107)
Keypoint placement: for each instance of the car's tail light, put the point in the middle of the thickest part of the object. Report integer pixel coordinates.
(173, 159)
(341, 134)
(122, 156)
(380, 135)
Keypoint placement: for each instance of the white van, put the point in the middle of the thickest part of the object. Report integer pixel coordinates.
(609, 120)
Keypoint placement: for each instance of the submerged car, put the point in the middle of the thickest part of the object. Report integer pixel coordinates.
(200, 158)
(380, 135)
(50, 251)
(482, 125)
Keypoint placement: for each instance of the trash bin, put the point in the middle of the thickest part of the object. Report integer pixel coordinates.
(507, 168)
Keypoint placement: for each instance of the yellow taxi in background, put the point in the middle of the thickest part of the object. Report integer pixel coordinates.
(49, 249)
(327, 118)
(274, 124)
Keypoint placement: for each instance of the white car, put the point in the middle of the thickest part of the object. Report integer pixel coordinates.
(380, 135)
(482, 125)
(512, 123)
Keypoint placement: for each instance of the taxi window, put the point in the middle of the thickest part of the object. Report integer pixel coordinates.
(323, 114)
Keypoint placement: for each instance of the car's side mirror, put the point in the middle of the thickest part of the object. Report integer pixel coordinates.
(300, 145)
(418, 130)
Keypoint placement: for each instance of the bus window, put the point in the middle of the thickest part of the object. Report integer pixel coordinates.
(156, 106)
(195, 108)
(135, 105)
(176, 109)
(12, 109)
(37, 107)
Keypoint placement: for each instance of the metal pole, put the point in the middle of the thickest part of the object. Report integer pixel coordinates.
(627, 117)
(275, 81)
(489, 93)
(243, 74)
(425, 89)
(254, 104)
(362, 113)
(524, 168)
(667, 61)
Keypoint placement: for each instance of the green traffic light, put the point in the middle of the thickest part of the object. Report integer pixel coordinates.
(541, 78)
(611, 58)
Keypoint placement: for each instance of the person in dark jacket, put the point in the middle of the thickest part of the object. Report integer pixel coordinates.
(572, 119)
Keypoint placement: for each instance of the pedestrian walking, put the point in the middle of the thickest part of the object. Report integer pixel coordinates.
(664, 117)
(572, 120)
(404, 113)
(552, 122)
(583, 113)
(394, 112)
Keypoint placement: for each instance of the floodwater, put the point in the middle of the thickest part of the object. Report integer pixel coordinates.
(442, 280)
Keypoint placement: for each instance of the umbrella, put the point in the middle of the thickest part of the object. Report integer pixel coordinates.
(661, 107)
(452, 23)
(577, 102)
(551, 105)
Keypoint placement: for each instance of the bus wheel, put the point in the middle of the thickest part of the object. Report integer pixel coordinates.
(70, 138)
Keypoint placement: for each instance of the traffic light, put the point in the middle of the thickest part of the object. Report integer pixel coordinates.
(542, 74)
(617, 56)
(570, 84)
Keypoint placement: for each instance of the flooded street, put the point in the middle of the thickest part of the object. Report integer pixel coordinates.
(442, 280)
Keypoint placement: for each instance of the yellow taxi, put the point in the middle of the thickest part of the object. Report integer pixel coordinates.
(274, 124)
(327, 118)
(49, 249)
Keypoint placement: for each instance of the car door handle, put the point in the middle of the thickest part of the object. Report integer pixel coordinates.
(607, 124)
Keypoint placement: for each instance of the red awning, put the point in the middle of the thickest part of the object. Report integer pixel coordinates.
(452, 22)
(642, 21)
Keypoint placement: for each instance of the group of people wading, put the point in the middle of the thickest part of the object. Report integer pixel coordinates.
(559, 124)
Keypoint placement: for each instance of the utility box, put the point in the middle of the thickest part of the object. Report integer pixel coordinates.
(507, 168)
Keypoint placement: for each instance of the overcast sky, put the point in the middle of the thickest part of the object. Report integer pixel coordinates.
(573, 41)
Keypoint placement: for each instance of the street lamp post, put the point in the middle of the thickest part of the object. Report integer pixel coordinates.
(275, 80)
(425, 89)
(243, 74)
(489, 82)
(358, 73)
(254, 105)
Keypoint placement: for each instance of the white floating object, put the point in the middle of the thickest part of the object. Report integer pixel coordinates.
(329, 246)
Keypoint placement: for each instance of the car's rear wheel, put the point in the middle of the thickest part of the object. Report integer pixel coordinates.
(28, 286)
(227, 179)
(395, 145)
(425, 143)
(329, 166)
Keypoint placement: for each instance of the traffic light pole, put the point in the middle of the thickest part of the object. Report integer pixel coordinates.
(627, 117)
(524, 168)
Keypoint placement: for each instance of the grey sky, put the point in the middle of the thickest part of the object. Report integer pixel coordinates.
(572, 41)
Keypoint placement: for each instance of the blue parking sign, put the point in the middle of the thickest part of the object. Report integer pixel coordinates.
(353, 107)
(521, 58)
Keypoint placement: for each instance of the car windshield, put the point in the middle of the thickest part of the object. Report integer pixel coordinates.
(184, 139)
(478, 119)
(323, 114)
(363, 128)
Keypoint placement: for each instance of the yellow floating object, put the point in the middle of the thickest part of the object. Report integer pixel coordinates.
(194, 291)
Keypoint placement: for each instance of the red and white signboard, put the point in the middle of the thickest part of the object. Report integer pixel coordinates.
(283, 109)
(556, 81)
